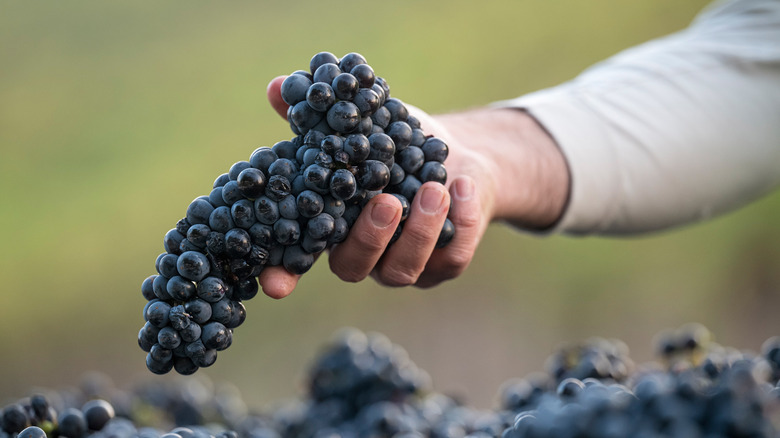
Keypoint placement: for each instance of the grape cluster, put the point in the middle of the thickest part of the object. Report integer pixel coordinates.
(362, 385)
(595, 358)
(284, 206)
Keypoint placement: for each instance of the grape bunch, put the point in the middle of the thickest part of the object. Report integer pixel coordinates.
(284, 206)
(363, 385)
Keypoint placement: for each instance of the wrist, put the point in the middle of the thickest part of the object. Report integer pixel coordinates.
(523, 169)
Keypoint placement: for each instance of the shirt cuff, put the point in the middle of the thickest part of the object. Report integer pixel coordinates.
(584, 142)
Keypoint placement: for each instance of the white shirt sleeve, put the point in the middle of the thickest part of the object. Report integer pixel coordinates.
(672, 131)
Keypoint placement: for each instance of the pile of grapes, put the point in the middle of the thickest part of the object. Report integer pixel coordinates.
(362, 385)
(284, 206)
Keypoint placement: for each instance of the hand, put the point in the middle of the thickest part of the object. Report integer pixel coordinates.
(502, 165)
(412, 260)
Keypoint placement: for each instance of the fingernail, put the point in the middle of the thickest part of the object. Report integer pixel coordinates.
(382, 215)
(464, 188)
(431, 199)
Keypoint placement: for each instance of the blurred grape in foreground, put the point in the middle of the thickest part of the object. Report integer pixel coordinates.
(362, 385)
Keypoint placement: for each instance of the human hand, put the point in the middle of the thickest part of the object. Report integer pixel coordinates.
(413, 258)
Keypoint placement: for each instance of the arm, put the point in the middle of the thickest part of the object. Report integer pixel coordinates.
(673, 131)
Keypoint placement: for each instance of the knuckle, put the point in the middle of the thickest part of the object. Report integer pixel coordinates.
(419, 233)
(348, 276)
(344, 271)
(456, 261)
(369, 242)
(468, 219)
(395, 276)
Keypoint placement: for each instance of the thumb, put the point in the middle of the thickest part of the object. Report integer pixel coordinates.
(274, 93)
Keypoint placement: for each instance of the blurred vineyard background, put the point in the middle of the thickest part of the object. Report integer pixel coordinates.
(114, 116)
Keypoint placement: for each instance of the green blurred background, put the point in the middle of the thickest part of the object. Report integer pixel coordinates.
(114, 116)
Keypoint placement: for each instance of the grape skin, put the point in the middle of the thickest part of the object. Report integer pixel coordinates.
(284, 205)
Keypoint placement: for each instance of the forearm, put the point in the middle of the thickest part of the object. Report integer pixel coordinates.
(673, 131)
(525, 172)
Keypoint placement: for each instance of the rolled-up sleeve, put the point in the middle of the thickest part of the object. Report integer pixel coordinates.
(672, 131)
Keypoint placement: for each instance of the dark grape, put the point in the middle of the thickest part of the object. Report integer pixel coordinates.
(357, 147)
(288, 207)
(222, 311)
(215, 243)
(198, 211)
(266, 210)
(340, 231)
(221, 180)
(433, 171)
(278, 187)
(317, 178)
(215, 336)
(294, 89)
(409, 186)
(304, 116)
(435, 149)
(180, 289)
(160, 287)
(382, 147)
(191, 332)
(287, 231)
(296, 260)
(350, 60)
(211, 289)
(404, 205)
(172, 241)
(364, 74)
(147, 287)
(320, 96)
(71, 422)
(251, 182)
(237, 168)
(367, 102)
(283, 149)
(231, 193)
(333, 206)
(326, 73)
(382, 117)
(243, 214)
(168, 338)
(345, 86)
(321, 58)
(320, 227)
(262, 158)
(200, 310)
(247, 289)
(192, 265)
(185, 367)
(373, 175)
(97, 413)
(312, 245)
(397, 174)
(197, 235)
(32, 432)
(343, 116)
(178, 318)
(411, 159)
(310, 203)
(401, 133)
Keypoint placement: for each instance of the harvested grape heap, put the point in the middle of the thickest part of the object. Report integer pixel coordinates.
(284, 206)
(362, 385)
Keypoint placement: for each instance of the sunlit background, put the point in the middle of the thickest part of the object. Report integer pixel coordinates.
(114, 116)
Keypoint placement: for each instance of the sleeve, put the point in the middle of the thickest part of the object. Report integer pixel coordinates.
(672, 131)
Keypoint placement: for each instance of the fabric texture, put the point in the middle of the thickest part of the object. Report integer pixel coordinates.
(672, 131)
